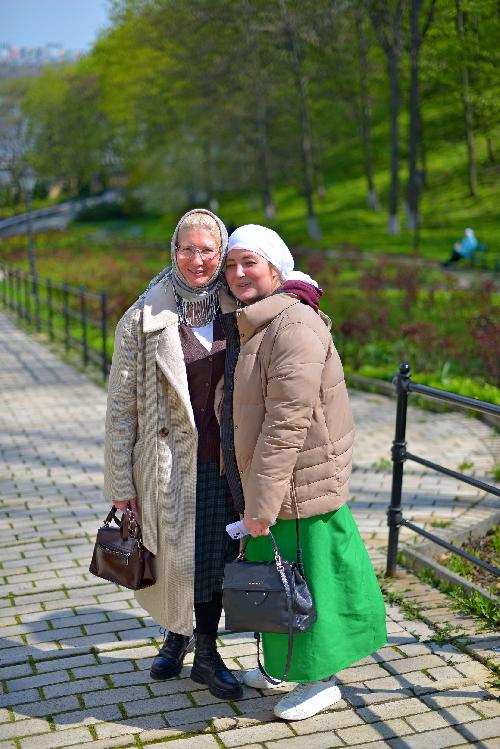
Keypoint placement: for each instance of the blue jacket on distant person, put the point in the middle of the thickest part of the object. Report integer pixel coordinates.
(468, 245)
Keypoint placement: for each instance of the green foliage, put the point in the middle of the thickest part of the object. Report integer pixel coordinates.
(67, 128)
(479, 606)
(440, 523)
(383, 464)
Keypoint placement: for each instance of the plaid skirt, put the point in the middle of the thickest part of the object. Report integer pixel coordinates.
(213, 547)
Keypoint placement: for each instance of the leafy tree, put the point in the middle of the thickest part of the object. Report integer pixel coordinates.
(66, 126)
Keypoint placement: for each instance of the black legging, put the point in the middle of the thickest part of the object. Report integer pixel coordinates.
(208, 615)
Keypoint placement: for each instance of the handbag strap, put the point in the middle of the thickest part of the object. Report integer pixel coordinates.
(293, 494)
(290, 633)
(281, 571)
(128, 524)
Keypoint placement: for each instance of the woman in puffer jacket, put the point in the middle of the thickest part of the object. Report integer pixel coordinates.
(287, 433)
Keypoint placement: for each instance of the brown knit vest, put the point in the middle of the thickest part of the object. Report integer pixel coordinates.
(204, 370)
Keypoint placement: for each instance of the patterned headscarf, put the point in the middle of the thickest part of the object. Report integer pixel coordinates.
(196, 305)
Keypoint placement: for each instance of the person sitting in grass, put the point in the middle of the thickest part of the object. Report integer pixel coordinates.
(466, 247)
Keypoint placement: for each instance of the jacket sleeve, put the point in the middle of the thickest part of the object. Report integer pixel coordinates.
(121, 413)
(292, 389)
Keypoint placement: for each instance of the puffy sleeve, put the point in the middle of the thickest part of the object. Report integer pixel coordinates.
(292, 389)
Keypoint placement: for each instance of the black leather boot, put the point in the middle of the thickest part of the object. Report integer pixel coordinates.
(208, 668)
(168, 662)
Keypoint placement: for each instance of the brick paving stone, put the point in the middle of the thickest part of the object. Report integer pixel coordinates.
(459, 697)
(108, 743)
(74, 736)
(194, 742)
(361, 673)
(256, 734)
(326, 722)
(70, 661)
(372, 745)
(156, 704)
(374, 731)
(314, 741)
(487, 708)
(398, 709)
(63, 721)
(428, 721)
(404, 665)
(197, 714)
(40, 680)
(489, 728)
(18, 698)
(23, 728)
(137, 725)
(361, 696)
(47, 707)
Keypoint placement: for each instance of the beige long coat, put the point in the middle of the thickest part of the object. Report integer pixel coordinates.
(291, 411)
(151, 446)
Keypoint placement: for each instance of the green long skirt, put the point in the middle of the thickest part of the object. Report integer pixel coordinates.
(351, 613)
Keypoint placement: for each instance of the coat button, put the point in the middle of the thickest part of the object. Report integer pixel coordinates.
(164, 432)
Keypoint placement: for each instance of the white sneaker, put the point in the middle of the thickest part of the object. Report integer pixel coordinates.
(257, 680)
(306, 700)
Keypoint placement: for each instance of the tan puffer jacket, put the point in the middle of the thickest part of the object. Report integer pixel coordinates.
(291, 411)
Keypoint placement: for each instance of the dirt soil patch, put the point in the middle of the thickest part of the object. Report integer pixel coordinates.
(486, 548)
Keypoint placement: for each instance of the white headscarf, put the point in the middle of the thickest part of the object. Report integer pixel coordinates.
(269, 245)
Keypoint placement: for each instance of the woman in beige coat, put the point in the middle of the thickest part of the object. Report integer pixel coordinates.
(163, 446)
(287, 435)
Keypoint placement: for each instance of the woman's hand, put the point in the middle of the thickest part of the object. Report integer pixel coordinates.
(255, 527)
(122, 505)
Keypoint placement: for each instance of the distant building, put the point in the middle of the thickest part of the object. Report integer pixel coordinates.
(50, 54)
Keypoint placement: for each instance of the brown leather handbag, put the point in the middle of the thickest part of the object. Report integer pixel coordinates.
(119, 554)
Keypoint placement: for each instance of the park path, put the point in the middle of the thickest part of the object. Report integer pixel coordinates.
(75, 651)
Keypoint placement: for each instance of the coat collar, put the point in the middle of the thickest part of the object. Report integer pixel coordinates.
(160, 309)
(260, 314)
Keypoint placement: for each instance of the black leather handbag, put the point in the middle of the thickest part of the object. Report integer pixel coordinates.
(119, 554)
(268, 597)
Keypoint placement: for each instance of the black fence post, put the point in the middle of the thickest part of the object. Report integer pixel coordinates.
(36, 291)
(50, 310)
(394, 514)
(83, 315)
(67, 341)
(27, 296)
(12, 290)
(3, 271)
(104, 334)
(8, 286)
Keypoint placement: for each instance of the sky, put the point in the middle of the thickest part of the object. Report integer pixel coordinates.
(35, 23)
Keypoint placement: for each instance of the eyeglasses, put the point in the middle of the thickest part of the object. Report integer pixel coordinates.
(188, 253)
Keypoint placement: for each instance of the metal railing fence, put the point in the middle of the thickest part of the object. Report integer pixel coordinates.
(400, 454)
(69, 315)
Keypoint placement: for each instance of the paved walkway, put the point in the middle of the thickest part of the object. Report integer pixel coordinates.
(75, 652)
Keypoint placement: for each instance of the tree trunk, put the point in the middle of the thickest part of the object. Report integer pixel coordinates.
(469, 132)
(365, 118)
(393, 224)
(261, 118)
(264, 157)
(304, 122)
(413, 186)
(489, 147)
(388, 29)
